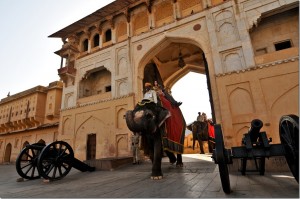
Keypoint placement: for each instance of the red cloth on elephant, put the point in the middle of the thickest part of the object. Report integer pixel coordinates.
(173, 137)
(211, 130)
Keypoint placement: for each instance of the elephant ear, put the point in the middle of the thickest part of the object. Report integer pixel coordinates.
(162, 116)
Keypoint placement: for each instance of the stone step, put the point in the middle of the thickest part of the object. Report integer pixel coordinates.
(109, 164)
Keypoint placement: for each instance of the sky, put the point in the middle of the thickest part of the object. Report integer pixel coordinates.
(27, 56)
(192, 91)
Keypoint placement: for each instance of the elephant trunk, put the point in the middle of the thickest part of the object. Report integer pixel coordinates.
(130, 121)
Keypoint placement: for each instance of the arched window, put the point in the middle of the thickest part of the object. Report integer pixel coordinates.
(85, 45)
(108, 35)
(96, 40)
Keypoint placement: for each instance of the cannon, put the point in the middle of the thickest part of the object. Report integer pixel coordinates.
(256, 146)
(52, 162)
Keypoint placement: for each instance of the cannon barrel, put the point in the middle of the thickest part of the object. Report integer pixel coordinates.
(254, 130)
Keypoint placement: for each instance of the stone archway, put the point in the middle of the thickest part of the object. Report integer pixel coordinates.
(7, 154)
(165, 55)
(170, 47)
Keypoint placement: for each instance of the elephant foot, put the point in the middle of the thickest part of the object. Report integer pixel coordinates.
(179, 164)
(172, 157)
(172, 162)
(156, 177)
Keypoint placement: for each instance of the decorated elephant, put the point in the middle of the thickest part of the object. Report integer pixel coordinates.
(152, 122)
(200, 133)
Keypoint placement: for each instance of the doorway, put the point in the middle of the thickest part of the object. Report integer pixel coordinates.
(7, 152)
(91, 147)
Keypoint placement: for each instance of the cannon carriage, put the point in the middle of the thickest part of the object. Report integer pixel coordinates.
(256, 146)
(52, 162)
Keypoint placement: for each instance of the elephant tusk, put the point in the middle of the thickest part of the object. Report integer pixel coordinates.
(164, 119)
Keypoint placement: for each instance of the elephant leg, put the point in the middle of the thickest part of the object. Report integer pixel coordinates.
(201, 146)
(194, 141)
(156, 164)
(210, 146)
(171, 157)
(179, 162)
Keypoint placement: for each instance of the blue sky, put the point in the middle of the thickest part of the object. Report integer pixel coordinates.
(27, 56)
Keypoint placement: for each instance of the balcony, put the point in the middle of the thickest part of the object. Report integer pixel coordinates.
(67, 72)
(277, 55)
(93, 98)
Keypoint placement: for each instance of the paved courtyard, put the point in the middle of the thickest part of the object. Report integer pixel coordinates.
(199, 178)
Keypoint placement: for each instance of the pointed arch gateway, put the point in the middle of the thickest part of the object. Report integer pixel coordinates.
(162, 59)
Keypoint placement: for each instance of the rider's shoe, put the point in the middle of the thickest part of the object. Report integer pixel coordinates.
(178, 104)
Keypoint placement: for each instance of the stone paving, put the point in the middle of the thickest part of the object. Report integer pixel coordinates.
(199, 178)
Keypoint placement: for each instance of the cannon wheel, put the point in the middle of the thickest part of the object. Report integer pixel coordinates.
(26, 162)
(55, 160)
(289, 137)
(221, 160)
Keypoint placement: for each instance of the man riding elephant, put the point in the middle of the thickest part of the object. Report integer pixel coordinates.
(200, 133)
(160, 131)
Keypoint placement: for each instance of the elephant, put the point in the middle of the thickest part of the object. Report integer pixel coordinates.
(200, 133)
(148, 119)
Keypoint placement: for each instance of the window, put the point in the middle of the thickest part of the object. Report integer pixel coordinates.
(261, 51)
(107, 88)
(283, 45)
(85, 45)
(108, 35)
(96, 40)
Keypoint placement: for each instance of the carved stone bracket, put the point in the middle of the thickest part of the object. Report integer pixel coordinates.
(253, 22)
(149, 4)
(110, 20)
(87, 32)
(127, 14)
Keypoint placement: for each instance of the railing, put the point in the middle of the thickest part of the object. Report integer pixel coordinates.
(66, 70)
